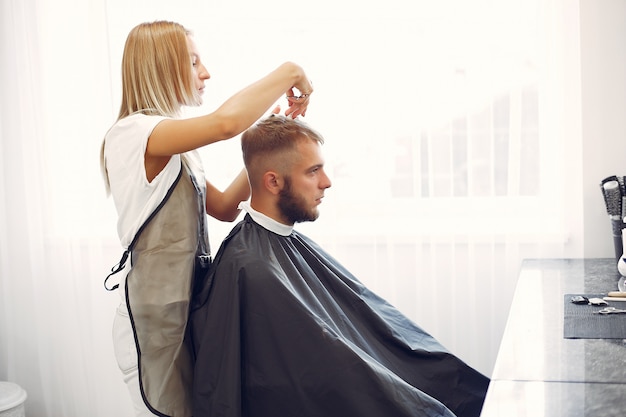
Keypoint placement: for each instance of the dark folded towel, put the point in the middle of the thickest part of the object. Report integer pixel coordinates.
(582, 321)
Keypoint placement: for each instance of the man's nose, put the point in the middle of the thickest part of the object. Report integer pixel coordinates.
(326, 183)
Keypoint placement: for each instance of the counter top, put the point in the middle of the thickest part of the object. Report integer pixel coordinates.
(540, 373)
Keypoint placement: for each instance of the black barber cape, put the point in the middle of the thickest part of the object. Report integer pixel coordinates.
(283, 330)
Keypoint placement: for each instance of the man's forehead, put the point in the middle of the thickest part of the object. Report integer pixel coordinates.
(309, 153)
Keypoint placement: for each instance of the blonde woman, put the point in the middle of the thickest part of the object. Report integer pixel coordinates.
(155, 176)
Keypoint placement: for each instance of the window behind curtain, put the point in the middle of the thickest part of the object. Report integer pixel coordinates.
(452, 131)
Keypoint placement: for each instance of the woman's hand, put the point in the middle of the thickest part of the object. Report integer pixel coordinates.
(299, 104)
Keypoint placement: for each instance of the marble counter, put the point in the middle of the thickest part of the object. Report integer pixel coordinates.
(540, 373)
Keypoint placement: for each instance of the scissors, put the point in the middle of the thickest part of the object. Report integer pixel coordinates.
(611, 310)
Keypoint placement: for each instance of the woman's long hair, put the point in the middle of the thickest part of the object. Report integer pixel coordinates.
(157, 73)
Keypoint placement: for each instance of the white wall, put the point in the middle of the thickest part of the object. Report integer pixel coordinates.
(603, 73)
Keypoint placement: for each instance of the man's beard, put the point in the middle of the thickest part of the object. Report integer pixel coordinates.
(293, 207)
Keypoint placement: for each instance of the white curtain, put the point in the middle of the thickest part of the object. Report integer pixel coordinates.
(451, 137)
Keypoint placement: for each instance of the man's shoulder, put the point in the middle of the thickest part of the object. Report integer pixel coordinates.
(247, 256)
(246, 244)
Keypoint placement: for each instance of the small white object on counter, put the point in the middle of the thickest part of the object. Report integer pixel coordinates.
(621, 264)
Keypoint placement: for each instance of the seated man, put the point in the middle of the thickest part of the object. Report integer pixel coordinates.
(283, 330)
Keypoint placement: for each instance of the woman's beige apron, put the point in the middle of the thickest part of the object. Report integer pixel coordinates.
(168, 252)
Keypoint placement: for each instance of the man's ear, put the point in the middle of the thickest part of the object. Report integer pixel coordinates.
(273, 182)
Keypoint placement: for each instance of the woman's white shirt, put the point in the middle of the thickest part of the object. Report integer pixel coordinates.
(135, 198)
